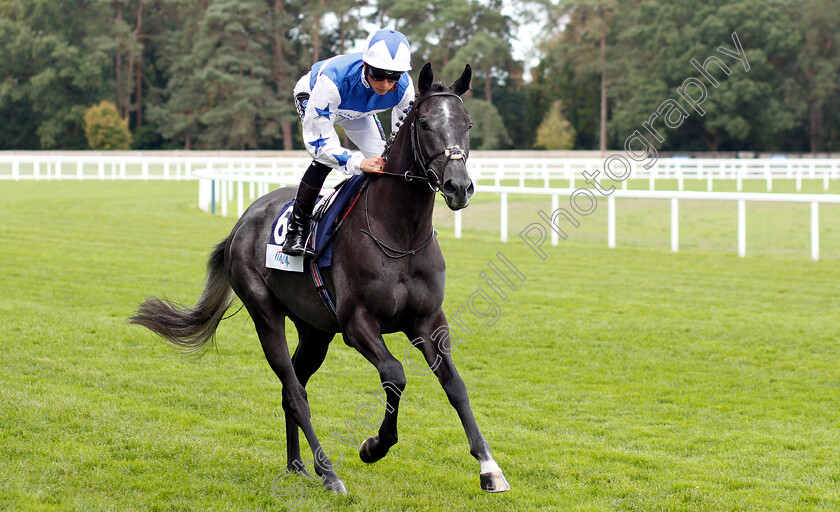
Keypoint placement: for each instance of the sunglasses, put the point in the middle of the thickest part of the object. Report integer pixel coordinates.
(380, 75)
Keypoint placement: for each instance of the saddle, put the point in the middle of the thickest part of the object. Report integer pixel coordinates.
(327, 216)
(327, 219)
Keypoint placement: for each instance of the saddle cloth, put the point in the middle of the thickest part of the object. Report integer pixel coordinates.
(327, 215)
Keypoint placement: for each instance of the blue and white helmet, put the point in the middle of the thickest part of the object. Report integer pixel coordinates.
(388, 50)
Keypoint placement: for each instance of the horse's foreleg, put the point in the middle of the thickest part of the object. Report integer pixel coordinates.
(363, 334)
(433, 340)
(309, 355)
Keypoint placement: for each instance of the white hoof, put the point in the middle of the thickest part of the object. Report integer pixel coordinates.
(494, 481)
(336, 487)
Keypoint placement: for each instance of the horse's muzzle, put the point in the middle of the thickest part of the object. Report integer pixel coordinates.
(457, 192)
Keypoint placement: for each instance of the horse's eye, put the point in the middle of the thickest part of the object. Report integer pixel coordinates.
(423, 124)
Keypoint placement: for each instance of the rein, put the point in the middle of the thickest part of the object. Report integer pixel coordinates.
(451, 153)
(390, 251)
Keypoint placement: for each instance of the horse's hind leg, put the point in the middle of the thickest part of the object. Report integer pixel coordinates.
(312, 348)
(432, 338)
(363, 334)
(269, 320)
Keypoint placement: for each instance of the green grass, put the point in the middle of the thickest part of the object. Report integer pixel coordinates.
(626, 379)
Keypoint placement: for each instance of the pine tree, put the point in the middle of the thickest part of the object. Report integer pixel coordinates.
(54, 66)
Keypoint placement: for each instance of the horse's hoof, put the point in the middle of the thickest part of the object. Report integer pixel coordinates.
(365, 451)
(368, 450)
(336, 486)
(494, 481)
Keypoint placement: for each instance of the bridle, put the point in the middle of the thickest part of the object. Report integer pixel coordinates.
(450, 152)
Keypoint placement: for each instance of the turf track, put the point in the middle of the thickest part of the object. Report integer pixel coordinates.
(626, 379)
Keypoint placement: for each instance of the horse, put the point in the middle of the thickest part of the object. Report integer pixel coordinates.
(387, 275)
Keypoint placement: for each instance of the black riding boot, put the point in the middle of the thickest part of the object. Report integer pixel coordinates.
(299, 222)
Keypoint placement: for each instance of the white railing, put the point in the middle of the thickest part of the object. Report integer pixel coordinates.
(552, 223)
(102, 166)
(218, 185)
(222, 176)
(709, 170)
(222, 185)
(484, 170)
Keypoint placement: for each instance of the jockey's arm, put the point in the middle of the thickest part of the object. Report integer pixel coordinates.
(319, 135)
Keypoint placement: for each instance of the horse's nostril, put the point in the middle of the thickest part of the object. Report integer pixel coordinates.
(449, 188)
(470, 189)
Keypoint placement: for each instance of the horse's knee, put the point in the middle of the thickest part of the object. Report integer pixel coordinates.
(393, 376)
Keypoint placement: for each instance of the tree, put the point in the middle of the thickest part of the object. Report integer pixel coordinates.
(105, 129)
(180, 98)
(488, 130)
(744, 110)
(555, 132)
(488, 49)
(286, 64)
(813, 86)
(490, 57)
(127, 34)
(436, 30)
(240, 110)
(219, 73)
(349, 17)
(453, 33)
(556, 79)
(643, 55)
(577, 37)
(221, 90)
(54, 65)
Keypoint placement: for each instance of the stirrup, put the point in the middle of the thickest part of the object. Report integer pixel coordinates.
(309, 252)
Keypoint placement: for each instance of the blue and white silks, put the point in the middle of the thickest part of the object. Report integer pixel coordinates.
(340, 93)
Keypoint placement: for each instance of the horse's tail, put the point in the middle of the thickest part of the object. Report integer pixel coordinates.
(191, 327)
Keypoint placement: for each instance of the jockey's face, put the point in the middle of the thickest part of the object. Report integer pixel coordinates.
(384, 86)
(381, 85)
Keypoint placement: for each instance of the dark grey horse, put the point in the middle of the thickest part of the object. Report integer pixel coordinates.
(388, 275)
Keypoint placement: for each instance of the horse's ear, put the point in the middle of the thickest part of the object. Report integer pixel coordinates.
(426, 78)
(462, 85)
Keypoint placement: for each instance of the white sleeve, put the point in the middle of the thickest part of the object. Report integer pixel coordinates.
(319, 136)
(401, 109)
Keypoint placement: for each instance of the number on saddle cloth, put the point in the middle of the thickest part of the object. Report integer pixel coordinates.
(326, 217)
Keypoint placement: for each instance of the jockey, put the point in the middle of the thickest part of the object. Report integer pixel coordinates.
(349, 90)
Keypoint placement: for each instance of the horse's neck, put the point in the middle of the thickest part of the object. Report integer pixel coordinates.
(401, 208)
